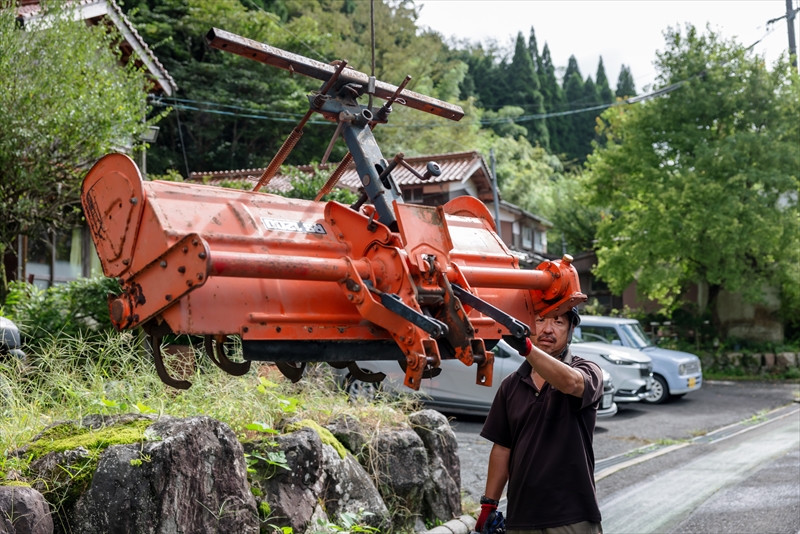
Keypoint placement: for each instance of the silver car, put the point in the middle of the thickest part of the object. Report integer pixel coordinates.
(675, 373)
(455, 390)
(631, 369)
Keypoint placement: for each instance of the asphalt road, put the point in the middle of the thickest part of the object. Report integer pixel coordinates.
(749, 483)
(716, 405)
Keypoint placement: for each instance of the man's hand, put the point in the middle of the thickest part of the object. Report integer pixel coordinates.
(486, 509)
(521, 345)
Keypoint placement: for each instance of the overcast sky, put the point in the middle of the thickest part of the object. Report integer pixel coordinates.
(622, 32)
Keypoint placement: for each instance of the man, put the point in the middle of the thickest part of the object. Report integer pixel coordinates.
(542, 423)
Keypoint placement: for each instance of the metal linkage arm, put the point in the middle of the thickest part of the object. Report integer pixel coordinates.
(517, 328)
(432, 326)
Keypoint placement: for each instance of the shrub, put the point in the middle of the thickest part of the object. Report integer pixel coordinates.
(78, 307)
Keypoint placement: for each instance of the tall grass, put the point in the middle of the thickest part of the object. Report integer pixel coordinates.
(68, 377)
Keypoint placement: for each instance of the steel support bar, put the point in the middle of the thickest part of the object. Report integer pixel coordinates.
(264, 53)
(240, 265)
(505, 278)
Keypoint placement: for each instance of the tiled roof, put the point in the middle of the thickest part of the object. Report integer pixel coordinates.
(513, 208)
(30, 9)
(456, 167)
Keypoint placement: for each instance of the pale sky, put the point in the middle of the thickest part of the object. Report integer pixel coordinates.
(622, 32)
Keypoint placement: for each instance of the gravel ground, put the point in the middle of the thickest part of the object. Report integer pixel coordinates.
(715, 405)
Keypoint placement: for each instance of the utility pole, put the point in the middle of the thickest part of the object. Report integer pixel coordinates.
(495, 197)
(790, 14)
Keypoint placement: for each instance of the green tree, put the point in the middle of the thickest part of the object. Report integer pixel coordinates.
(586, 122)
(625, 86)
(65, 100)
(523, 91)
(533, 50)
(703, 182)
(574, 95)
(601, 81)
(572, 68)
(536, 181)
(554, 101)
(217, 138)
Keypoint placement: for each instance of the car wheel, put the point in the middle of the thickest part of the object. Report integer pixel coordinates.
(660, 392)
(358, 391)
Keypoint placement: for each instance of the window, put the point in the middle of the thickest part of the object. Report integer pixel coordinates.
(57, 259)
(413, 194)
(540, 242)
(527, 237)
(603, 334)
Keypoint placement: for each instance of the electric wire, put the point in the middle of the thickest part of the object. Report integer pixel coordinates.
(183, 104)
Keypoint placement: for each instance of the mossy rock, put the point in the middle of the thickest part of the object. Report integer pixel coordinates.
(324, 434)
(60, 461)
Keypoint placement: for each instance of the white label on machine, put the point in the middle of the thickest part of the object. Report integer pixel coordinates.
(284, 225)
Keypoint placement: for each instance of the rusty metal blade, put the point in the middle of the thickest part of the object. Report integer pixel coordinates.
(264, 53)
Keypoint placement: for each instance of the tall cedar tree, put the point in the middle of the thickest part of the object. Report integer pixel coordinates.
(523, 91)
(625, 87)
(573, 94)
(603, 90)
(482, 77)
(554, 101)
(587, 120)
(572, 67)
(533, 49)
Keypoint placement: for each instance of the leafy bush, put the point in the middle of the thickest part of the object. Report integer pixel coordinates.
(77, 308)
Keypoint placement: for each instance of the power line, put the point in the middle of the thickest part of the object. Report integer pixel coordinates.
(261, 114)
(178, 106)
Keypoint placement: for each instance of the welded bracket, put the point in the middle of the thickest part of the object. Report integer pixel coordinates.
(181, 269)
(416, 344)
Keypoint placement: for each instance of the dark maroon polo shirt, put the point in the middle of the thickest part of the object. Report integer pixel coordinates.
(551, 469)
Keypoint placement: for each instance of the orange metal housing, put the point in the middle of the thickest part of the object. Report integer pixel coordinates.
(213, 261)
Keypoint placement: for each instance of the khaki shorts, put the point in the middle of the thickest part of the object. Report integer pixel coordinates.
(584, 527)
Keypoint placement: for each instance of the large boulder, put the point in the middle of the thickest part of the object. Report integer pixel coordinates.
(24, 510)
(290, 492)
(189, 476)
(398, 460)
(442, 490)
(348, 488)
(348, 430)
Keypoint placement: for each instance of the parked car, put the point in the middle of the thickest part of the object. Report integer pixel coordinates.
(455, 390)
(630, 369)
(9, 339)
(675, 373)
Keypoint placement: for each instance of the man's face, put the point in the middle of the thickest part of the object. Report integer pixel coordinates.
(552, 333)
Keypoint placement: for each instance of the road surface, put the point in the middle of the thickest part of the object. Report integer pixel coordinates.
(688, 486)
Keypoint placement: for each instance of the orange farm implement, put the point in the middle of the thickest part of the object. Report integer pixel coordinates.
(308, 281)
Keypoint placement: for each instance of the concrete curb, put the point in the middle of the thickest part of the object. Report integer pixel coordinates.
(463, 525)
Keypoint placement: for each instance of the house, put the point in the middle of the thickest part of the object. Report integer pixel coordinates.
(463, 173)
(65, 256)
